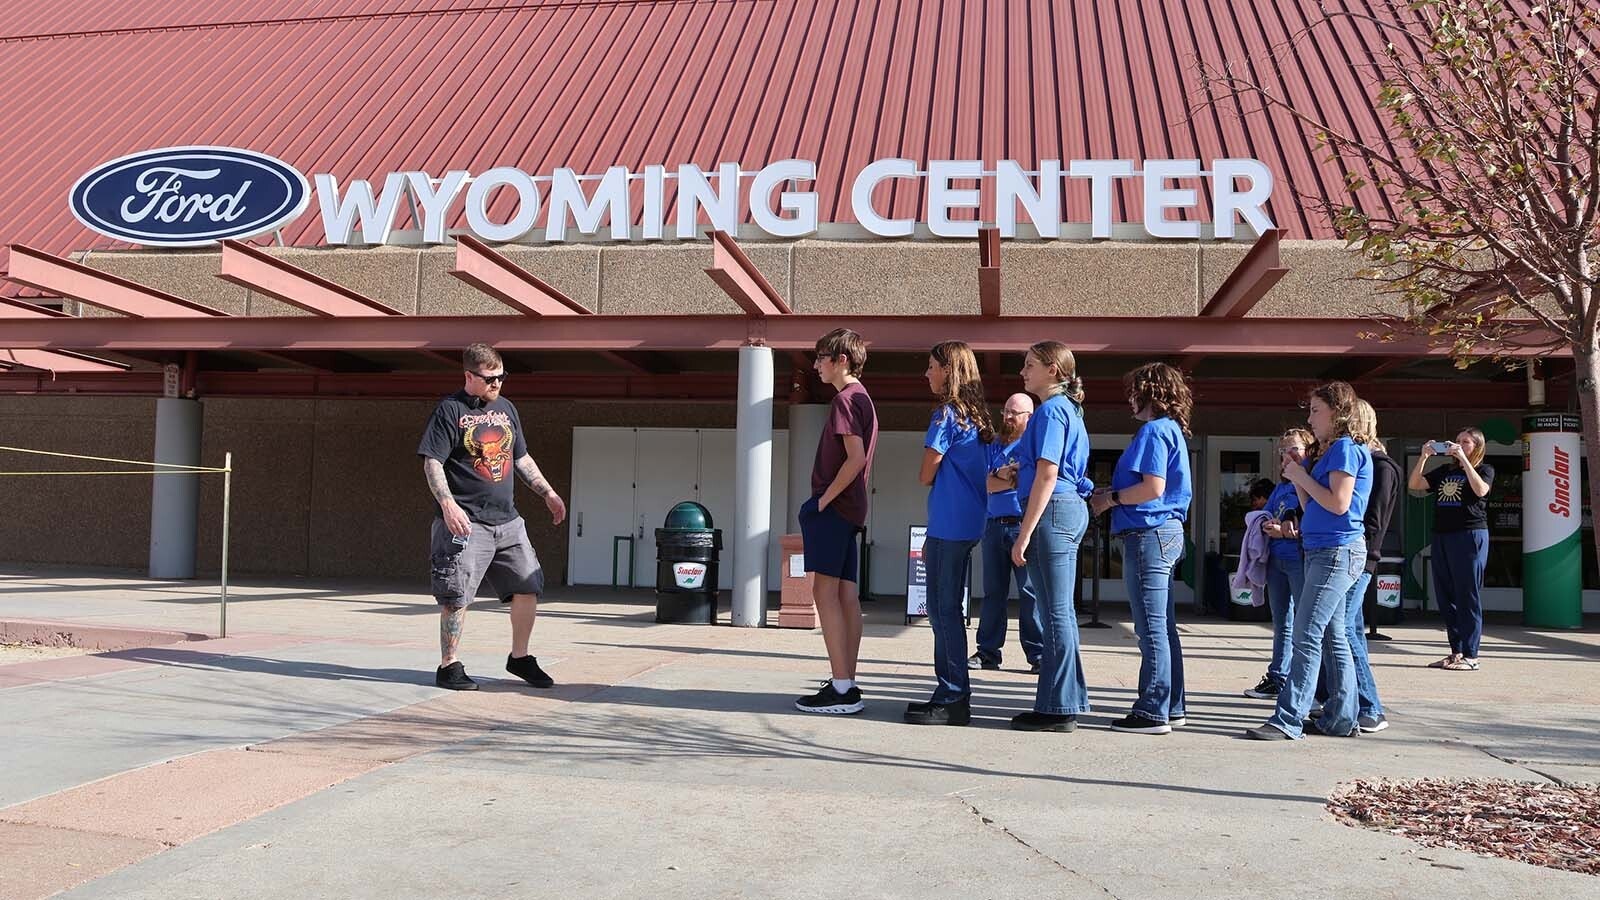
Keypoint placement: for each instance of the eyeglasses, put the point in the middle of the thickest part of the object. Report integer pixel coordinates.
(827, 356)
(489, 379)
(1008, 414)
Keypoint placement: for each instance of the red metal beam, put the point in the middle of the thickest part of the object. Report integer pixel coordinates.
(739, 277)
(58, 361)
(12, 308)
(253, 268)
(65, 278)
(1130, 335)
(1103, 393)
(1250, 280)
(491, 272)
(989, 271)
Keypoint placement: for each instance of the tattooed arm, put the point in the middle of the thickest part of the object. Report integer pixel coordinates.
(454, 518)
(528, 470)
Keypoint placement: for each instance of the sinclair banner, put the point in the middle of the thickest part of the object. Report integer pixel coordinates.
(1552, 504)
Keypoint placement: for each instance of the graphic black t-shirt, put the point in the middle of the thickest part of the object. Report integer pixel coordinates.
(1455, 506)
(479, 444)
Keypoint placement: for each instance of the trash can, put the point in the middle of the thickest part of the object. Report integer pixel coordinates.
(686, 566)
(1381, 605)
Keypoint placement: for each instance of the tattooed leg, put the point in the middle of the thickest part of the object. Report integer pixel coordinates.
(450, 621)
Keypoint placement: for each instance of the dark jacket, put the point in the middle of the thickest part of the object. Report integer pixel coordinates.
(1386, 480)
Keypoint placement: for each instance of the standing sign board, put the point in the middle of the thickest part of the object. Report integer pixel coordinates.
(1552, 497)
(917, 578)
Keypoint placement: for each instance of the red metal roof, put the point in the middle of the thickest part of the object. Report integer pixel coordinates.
(360, 88)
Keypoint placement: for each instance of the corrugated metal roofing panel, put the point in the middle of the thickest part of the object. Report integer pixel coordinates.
(359, 88)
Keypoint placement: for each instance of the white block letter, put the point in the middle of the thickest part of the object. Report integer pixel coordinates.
(942, 197)
(478, 204)
(1100, 172)
(341, 215)
(1225, 201)
(1158, 197)
(695, 193)
(434, 204)
(802, 203)
(566, 195)
(861, 197)
(655, 191)
(1043, 204)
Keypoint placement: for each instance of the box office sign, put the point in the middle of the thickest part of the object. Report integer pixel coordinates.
(186, 196)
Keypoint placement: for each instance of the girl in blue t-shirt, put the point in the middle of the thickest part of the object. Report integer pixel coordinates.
(1285, 569)
(955, 466)
(1052, 466)
(1333, 485)
(1149, 502)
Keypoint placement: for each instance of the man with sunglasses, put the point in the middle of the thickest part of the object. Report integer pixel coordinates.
(471, 447)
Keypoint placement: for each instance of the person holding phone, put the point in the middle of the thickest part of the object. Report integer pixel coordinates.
(1460, 491)
(1286, 574)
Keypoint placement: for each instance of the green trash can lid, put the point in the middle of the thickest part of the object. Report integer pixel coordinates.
(688, 516)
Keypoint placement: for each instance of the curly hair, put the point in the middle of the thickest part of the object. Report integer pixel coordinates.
(963, 388)
(1340, 398)
(1162, 390)
(1055, 353)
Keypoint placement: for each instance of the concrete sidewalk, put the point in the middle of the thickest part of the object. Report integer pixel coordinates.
(308, 755)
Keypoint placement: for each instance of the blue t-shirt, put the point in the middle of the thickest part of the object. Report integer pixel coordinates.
(959, 497)
(1003, 503)
(1055, 434)
(1320, 529)
(1157, 448)
(1284, 500)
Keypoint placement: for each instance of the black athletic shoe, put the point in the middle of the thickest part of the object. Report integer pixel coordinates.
(527, 668)
(979, 661)
(956, 713)
(1035, 721)
(1372, 724)
(1310, 726)
(830, 702)
(1266, 689)
(454, 678)
(1140, 725)
(1266, 733)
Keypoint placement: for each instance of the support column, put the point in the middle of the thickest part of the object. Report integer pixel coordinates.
(752, 473)
(175, 499)
(805, 429)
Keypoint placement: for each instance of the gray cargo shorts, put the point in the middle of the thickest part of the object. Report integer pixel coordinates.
(500, 552)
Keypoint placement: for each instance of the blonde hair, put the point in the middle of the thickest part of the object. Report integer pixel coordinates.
(1055, 353)
(1365, 421)
(1477, 454)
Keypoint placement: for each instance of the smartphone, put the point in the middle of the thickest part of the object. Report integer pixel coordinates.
(1441, 446)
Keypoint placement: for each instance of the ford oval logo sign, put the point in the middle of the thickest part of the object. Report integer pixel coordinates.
(187, 196)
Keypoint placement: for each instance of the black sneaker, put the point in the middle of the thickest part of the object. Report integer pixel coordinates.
(958, 712)
(1266, 733)
(1177, 721)
(1310, 726)
(1036, 721)
(1033, 667)
(1140, 725)
(1372, 724)
(979, 661)
(830, 702)
(454, 678)
(527, 668)
(1265, 689)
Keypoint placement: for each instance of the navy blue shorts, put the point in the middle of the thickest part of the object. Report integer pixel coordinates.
(830, 542)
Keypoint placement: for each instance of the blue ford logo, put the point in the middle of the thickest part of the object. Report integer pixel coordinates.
(186, 196)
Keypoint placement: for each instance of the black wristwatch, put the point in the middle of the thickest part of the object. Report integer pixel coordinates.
(1116, 500)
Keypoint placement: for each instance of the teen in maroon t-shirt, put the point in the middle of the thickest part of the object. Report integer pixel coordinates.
(838, 506)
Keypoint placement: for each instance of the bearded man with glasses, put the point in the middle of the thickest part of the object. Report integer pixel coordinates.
(472, 444)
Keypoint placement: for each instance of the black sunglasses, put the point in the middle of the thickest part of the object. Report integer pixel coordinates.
(489, 379)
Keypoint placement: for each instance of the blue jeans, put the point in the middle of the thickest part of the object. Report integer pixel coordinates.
(947, 564)
(997, 574)
(1148, 558)
(1286, 580)
(1367, 704)
(1320, 636)
(1052, 559)
(1459, 558)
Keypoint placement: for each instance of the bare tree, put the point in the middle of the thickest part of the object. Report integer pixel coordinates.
(1482, 193)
